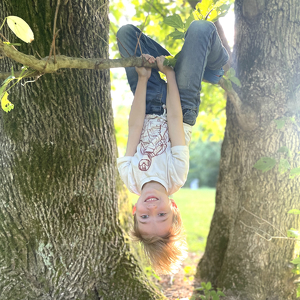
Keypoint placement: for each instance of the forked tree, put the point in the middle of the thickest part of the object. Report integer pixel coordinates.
(247, 252)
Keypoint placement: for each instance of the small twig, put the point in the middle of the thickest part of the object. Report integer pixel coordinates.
(123, 46)
(54, 29)
(159, 12)
(138, 41)
(51, 48)
(7, 40)
(100, 7)
(243, 208)
(140, 47)
(29, 81)
(271, 237)
(38, 55)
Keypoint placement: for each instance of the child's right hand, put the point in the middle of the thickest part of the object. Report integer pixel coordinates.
(145, 72)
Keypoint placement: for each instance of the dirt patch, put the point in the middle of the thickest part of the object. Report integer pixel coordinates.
(181, 285)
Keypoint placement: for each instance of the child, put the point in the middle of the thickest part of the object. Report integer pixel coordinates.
(156, 162)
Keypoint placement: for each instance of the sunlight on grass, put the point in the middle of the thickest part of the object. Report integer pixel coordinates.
(197, 207)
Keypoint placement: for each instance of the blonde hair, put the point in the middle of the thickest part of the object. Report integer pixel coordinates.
(167, 252)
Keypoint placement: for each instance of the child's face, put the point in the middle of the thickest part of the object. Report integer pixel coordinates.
(153, 213)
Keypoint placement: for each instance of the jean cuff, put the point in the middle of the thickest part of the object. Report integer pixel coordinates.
(213, 76)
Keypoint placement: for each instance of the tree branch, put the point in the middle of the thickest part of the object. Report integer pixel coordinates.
(64, 62)
(246, 116)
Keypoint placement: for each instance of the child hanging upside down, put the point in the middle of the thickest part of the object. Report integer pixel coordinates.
(162, 114)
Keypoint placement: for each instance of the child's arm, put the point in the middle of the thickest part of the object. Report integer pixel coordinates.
(138, 108)
(174, 111)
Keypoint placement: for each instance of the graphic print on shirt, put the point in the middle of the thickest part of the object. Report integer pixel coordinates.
(153, 142)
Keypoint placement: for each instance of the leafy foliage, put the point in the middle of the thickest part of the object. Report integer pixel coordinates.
(212, 10)
(209, 293)
(212, 109)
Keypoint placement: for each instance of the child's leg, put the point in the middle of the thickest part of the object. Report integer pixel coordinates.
(202, 49)
(156, 87)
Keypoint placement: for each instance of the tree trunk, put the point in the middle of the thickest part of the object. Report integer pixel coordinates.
(240, 255)
(60, 236)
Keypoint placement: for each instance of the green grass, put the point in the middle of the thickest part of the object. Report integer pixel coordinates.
(196, 207)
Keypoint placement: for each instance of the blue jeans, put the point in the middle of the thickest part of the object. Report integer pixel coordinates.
(202, 54)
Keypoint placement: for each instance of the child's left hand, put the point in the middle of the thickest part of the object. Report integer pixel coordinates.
(161, 67)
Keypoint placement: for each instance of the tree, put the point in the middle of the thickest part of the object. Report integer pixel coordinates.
(60, 234)
(243, 254)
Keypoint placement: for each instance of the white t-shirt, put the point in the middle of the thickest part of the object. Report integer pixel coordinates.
(155, 160)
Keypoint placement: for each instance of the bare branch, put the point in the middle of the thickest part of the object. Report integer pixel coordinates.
(64, 62)
(264, 221)
(54, 29)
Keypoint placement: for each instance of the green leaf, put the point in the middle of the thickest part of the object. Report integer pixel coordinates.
(203, 284)
(293, 233)
(284, 149)
(198, 15)
(294, 172)
(296, 261)
(283, 166)
(294, 211)
(208, 285)
(265, 164)
(20, 28)
(174, 21)
(236, 81)
(227, 84)
(280, 123)
(24, 69)
(230, 73)
(6, 104)
(170, 61)
(176, 35)
(8, 80)
(177, 55)
(188, 21)
(204, 7)
(220, 293)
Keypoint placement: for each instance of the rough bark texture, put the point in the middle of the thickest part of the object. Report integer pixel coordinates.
(60, 236)
(267, 60)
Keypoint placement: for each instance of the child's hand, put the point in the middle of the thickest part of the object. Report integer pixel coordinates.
(161, 67)
(145, 72)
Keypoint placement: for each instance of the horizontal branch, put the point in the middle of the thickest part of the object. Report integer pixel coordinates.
(46, 65)
(247, 118)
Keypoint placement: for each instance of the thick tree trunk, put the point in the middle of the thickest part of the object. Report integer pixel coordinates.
(267, 60)
(60, 236)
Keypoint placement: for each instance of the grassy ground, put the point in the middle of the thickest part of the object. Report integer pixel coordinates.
(197, 207)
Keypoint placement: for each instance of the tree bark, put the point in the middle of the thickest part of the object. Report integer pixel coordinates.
(60, 234)
(240, 255)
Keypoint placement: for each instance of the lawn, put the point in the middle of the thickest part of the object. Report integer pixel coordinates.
(197, 207)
